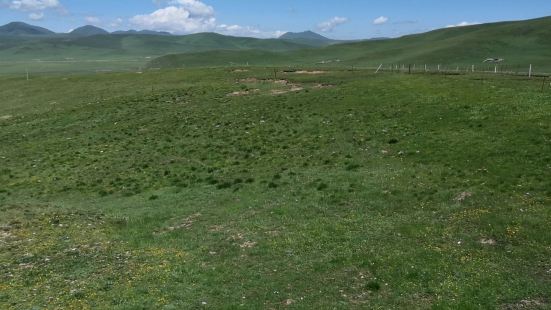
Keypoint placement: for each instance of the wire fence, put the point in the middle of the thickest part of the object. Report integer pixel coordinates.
(502, 69)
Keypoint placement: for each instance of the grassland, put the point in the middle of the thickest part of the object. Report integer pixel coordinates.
(212, 188)
(520, 43)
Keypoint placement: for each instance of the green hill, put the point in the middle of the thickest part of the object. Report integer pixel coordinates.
(23, 29)
(520, 43)
(160, 33)
(88, 31)
(307, 37)
(95, 46)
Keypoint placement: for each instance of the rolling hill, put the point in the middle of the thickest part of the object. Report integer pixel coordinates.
(308, 37)
(520, 43)
(23, 29)
(90, 42)
(88, 30)
(150, 32)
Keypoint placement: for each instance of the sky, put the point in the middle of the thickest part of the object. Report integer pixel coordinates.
(344, 19)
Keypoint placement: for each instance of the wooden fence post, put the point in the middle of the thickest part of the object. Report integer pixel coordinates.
(530, 72)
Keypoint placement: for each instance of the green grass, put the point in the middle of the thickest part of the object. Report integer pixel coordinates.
(158, 190)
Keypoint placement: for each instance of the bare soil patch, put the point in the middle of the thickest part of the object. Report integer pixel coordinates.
(243, 93)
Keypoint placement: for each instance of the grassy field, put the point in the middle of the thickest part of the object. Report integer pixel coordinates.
(212, 188)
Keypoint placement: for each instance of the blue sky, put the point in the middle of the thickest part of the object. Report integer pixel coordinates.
(344, 19)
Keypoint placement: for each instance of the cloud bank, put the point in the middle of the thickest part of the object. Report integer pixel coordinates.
(331, 24)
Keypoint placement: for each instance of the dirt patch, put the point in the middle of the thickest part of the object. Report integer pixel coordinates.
(243, 93)
(490, 242)
(186, 223)
(529, 304)
(255, 80)
(463, 196)
(5, 117)
(247, 245)
(5, 236)
(310, 72)
(294, 88)
(285, 91)
(240, 70)
(322, 86)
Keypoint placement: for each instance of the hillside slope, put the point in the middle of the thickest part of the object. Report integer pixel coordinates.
(307, 37)
(23, 29)
(519, 43)
(88, 30)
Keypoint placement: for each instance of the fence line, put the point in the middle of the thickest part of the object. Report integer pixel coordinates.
(502, 69)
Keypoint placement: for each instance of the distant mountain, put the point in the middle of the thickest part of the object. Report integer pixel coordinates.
(146, 32)
(96, 47)
(308, 37)
(86, 31)
(23, 29)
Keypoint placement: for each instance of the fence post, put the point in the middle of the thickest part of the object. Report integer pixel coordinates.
(530, 71)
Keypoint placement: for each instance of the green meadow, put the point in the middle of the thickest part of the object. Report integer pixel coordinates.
(262, 189)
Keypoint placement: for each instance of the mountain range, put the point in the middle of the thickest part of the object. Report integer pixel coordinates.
(24, 29)
(520, 43)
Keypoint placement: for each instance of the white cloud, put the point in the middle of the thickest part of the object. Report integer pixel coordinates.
(116, 23)
(33, 5)
(380, 20)
(93, 20)
(35, 8)
(176, 20)
(329, 25)
(36, 16)
(195, 7)
(462, 24)
(192, 16)
(247, 31)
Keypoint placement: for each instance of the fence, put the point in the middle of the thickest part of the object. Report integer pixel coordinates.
(504, 69)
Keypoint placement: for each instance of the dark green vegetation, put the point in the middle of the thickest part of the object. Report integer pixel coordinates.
(23, 29)
(346, 190)
(88, 30)
(519, 43)
(309, 38)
